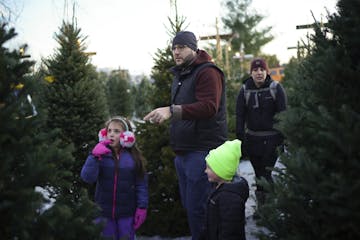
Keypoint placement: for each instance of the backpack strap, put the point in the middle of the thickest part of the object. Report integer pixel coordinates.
(272, 88)
(246, 94)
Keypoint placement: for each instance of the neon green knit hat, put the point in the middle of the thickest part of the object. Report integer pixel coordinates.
(224, 160)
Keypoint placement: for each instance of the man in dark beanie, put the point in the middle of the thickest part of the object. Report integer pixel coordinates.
(198, 122)
(259, 99)
(185, 38)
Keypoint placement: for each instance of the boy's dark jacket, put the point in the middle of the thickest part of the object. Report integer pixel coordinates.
(225, 212)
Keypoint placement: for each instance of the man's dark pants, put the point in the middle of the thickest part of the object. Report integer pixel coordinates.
(194, 188)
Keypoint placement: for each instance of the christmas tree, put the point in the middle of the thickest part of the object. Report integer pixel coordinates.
(30, 158)
(167, 216)
(75, 101)
(76, 108)
(23, 167)
(119, 94)
(317, 196)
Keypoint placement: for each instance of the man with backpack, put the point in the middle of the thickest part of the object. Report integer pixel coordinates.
(259, 99)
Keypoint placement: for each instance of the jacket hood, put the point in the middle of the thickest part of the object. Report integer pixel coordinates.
(202, 57)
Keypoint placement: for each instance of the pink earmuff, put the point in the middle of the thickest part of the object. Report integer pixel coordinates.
(127, 139)
(102, 135)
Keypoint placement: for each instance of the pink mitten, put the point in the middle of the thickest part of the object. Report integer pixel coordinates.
(140, 216)
(101, 148)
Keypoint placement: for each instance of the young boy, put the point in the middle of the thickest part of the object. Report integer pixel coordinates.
(225, 213)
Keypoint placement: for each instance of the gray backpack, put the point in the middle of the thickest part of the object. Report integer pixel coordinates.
(272, 88)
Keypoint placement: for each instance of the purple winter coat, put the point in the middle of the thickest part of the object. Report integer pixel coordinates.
(117, 193)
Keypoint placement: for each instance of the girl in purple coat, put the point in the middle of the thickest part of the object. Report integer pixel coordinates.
(117, 167)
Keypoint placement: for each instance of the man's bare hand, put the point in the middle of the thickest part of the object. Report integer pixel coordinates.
(158, 115)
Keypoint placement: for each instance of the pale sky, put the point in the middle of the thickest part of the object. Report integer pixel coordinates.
(127, 34)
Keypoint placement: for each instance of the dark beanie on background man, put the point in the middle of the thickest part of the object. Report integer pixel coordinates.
(258, 62)
(185, 38)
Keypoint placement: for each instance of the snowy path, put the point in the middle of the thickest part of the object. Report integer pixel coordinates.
(247, 172)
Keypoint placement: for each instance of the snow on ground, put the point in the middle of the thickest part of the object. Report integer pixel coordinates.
(246, 170)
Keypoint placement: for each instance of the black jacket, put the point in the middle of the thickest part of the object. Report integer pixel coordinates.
(255, 117)
(225, 212)
(258, 113)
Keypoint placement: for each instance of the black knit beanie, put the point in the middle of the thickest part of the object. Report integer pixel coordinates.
(185, 38)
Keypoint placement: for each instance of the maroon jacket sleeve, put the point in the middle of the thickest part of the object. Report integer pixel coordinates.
(208, 95)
